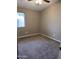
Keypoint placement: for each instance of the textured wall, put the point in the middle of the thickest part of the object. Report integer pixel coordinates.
(47, 21)
(51, 21)
(32, 19)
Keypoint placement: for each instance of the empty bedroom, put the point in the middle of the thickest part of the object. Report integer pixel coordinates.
(38, 29)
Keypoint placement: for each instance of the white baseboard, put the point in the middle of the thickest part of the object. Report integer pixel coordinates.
(50, 37)
(28, 35)
(39, 34)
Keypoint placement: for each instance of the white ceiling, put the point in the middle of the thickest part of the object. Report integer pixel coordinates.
(33, 6)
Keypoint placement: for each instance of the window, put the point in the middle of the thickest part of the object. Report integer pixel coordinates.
(20, 19)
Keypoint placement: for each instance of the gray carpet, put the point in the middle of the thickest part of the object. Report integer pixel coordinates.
(37, 48)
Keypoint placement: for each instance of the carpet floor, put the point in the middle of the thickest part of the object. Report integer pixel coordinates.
(37, 47)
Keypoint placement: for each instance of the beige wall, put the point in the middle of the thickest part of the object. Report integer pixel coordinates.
(47, 22)
(32, 19)
(51, 21)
